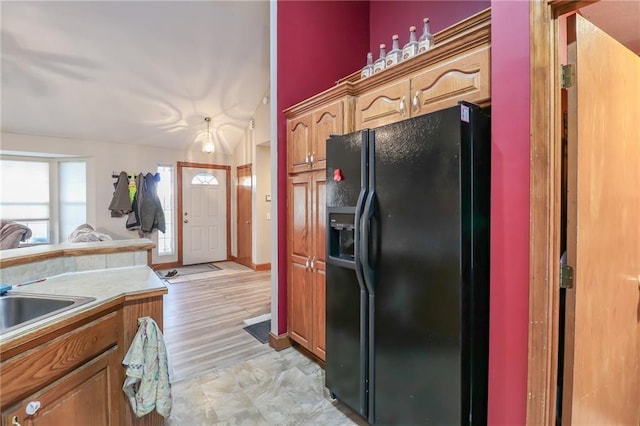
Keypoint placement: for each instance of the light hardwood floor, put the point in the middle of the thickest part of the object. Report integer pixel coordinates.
(203, 319)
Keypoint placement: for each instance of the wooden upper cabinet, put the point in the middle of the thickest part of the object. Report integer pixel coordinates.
(457, 68)
(462, 78)
(299, 143)
(327, 121)
(384, 105)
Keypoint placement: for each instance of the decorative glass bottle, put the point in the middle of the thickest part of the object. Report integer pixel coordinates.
(411, 48)
(380, 63)
(367, 70)
(425, 42)
(395, 54)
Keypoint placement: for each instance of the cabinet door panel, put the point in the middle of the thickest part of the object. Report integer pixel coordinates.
(461, 78)
(319, 310)
(326, 121)
(319, 215)
(382, 106)
(298, 143)
(300, 304)
(299, 218)
(82, 398)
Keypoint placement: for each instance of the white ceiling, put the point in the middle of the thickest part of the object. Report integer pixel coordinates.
(134, 72)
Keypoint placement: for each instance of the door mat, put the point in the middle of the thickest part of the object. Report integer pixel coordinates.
(187, 270)
(259, 330)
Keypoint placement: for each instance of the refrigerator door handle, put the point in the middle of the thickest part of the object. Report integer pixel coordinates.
(357, 257)
(368, 216)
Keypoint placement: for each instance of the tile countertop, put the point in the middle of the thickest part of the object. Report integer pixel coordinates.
(104, 285)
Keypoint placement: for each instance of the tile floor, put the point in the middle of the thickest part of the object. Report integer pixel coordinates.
(277, 388)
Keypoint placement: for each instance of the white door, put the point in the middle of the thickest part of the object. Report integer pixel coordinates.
(204, 215)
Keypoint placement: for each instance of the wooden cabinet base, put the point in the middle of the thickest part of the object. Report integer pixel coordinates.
(279, 342)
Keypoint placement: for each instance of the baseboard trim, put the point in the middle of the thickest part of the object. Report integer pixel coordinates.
(279, 342)
(233, 258)
(261, 266)
(166, 265)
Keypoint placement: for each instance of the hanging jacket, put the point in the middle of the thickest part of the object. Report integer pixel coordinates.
(147, 383)
(133, 221)
(151, 214)
(120, 203)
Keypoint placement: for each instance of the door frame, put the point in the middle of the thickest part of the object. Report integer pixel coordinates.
(545, 203)
(227, 169)
(238, 168)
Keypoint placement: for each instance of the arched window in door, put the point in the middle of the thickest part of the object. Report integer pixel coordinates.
(203, 178)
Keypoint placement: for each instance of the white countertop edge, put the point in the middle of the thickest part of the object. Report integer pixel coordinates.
(104, 285)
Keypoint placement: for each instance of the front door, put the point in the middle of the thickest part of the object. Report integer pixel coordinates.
(204, 215)
(602, 344)
(244, 214)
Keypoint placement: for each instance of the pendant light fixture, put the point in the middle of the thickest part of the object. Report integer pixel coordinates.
(208, 146)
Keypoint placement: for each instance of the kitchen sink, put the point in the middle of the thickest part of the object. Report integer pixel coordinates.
(20, 309)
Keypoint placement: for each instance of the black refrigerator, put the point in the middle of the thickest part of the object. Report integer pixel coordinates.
(407, 279)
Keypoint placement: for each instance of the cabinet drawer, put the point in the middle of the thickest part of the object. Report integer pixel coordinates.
(42, 365)
(462, 78)
(382, 106)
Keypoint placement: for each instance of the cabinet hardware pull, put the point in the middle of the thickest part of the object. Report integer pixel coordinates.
(306, 263)
(313, 263)
(402, 106)
(306, 159)
(416, 101)
(313, 157)
(15, 421)
(32, 408)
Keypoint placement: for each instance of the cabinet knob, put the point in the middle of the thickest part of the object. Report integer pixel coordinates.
(306, 159)
(312, 157)
(15, 421)
(402, 107)
(313, 263)
(306, 263)
(32, 408)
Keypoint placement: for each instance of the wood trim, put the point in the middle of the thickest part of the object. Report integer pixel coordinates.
(560, 7)
(72, 251)
(261, 266)
(544, 230)
(165, 265)
(279, 342)
(244, 166)
(545, 210)
(233, 259)
(179, 167)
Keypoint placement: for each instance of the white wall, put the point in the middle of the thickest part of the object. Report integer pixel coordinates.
(262, 208)
(103, 160)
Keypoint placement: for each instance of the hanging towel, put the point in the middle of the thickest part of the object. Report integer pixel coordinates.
(147, 383)
(120, 204)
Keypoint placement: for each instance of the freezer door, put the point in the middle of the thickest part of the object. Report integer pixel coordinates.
(346, 301)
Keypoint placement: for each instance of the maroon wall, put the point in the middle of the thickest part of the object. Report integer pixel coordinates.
(311, 58)
(318, 43)
(508, 336)
(395, 17)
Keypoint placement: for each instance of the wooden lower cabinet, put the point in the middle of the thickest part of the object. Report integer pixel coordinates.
(306, 238)
(73, 373)
(82, 397)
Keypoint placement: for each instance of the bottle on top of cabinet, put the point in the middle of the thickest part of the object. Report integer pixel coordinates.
(367, 70)
(425, 42)
(395, 54)
(380, 63)
(411, 48)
